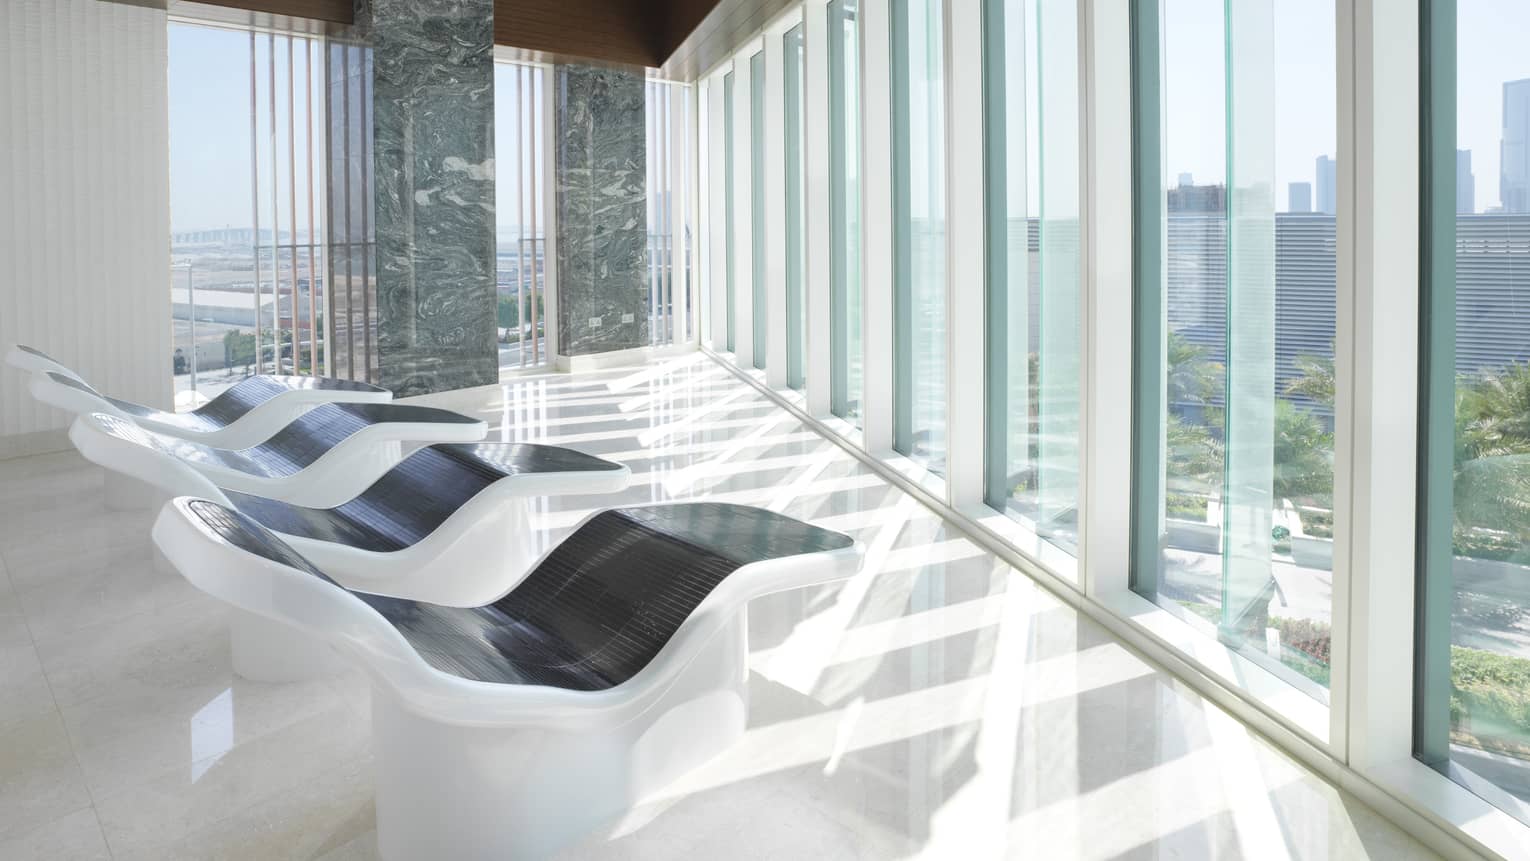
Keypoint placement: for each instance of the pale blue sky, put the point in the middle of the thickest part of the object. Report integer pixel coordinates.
(209, 78)
(210, 134)
(209, 128)
(1491, 36)
(1195, 97)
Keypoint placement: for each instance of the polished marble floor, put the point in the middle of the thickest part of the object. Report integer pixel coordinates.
(938, 705)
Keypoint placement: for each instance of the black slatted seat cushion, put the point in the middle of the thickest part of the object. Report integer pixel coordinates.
(414, 498)
(598, 609)
(297, 445)
(244, 533)
(228, 407)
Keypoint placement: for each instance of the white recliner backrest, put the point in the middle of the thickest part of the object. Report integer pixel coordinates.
(122, 446)
(34, 361)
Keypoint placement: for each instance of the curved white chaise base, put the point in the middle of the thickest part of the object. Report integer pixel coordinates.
(477, 770)
(543, 789)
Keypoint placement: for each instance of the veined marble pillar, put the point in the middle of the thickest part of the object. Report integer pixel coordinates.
(602, 224)
(433, 165)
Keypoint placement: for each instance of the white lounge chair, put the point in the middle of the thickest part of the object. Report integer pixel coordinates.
(324, 457)
(436, 527)
(248, 413)
(514, 729)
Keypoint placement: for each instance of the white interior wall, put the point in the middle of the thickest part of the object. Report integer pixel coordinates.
(85, 229)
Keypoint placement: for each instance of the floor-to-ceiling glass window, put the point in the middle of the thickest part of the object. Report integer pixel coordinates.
(919, 232)
(757, 203)
(1235, 212)
(670, 166)
(845, 308)
(246, 197)
(520, 215)
(796, 237)
(1031, 103)
(1473, 702)
(729, 279)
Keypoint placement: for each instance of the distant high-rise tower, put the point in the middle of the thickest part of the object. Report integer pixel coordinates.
(1186, 180)
(1327, 185)
(1301, 197)
(1466, 184)
(1514, 149)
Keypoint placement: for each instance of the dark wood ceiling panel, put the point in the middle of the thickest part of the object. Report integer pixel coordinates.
(722, 31)
(622, 32)
(677, 19)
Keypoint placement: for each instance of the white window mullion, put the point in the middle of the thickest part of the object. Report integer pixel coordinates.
(694, 216)
(966, 268)
(774, 150)
(717, 193)
(815, 165)
(743, 212)
(1104, 505)
(877, 224)
(1344, 448)
(679, 195)
(1377, 404)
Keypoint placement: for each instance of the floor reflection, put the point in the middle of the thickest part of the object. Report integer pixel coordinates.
(937, 705)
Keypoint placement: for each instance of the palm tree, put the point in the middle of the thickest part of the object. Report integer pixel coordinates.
(1315, 380)
(1191, 378)
(1194, 451)
(1492, 452)
(1303, 456)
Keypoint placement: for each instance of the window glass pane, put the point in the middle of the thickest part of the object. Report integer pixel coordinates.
(1473, 719)
(919, 233)
(213, 243)
(728, 220)
(796, 273)
(1238, 490)
(246, 283)
(520, 223)
(1033, 279)
(757, 201)
(846, 350)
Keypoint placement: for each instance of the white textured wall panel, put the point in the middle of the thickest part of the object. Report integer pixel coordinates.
(84, 201)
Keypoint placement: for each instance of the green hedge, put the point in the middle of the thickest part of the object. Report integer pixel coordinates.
(1487, 687)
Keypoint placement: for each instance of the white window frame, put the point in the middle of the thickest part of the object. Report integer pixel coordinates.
(1362, 739)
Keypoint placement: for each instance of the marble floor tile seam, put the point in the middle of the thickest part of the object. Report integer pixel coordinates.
(48, 643)
(74, 750)
(43, 827)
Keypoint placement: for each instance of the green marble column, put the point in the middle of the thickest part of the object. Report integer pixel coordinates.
(433, 165)
(602, 222)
